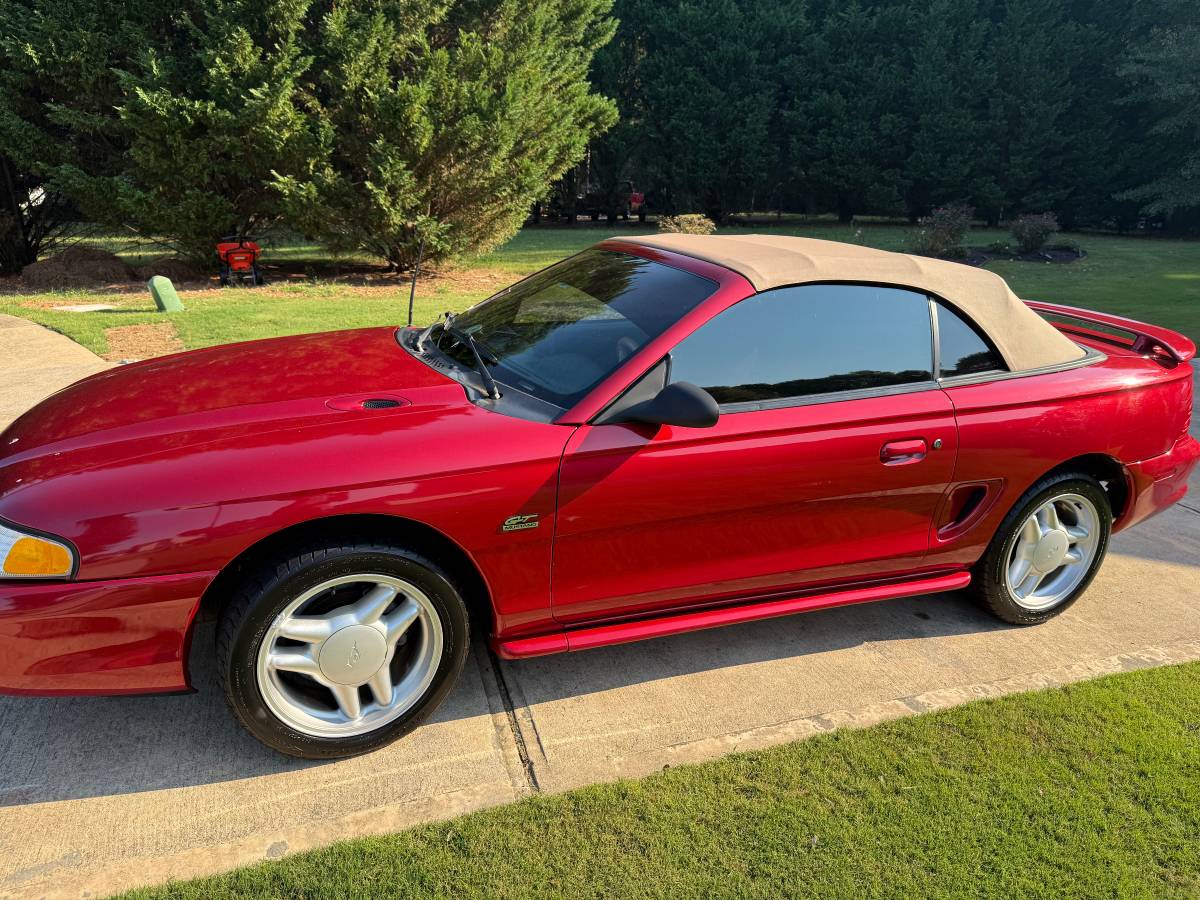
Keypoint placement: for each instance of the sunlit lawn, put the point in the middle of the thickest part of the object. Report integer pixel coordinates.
(1151, 279)
(1088, 791)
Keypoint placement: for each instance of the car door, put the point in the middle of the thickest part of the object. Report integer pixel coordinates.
(833, 450)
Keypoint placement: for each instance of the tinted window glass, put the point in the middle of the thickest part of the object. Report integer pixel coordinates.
(963, 351)
(559, 333)
(813, 339)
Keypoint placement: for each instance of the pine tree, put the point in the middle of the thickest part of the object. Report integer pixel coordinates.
(211, 113)
(711, 95)
(621, 154)
(949, 79)
(1031, 50)
(1164, 72)
(444, 121)
(57, 93)
(844, 96)
(373, 125)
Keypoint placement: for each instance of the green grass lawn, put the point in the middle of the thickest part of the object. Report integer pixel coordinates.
(1155, 280)
(1087, 791)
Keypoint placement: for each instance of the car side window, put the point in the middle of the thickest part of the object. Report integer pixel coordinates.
(962, 350)
(811, 339)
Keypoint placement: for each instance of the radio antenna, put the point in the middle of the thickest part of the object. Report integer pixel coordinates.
(412, 288)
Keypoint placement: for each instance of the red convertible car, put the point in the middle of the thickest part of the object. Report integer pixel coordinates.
(657, 435)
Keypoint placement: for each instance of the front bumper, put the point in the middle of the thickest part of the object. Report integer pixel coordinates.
(98, 637)
(1160, 481)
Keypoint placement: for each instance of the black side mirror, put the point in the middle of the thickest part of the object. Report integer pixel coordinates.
(680, 403)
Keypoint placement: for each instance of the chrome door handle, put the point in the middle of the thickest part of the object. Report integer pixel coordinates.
(898, 453)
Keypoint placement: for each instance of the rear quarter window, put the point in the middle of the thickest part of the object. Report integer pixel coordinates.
(962, 349)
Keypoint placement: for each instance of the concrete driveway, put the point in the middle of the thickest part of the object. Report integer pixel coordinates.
(101, 794)
(36, 362)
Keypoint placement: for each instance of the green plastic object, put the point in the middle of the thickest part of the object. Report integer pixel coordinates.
(164, 294)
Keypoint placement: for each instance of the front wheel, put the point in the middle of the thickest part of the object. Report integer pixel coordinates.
(1047, 550)
(341, 648)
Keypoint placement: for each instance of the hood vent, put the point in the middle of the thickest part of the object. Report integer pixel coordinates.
(360, 402)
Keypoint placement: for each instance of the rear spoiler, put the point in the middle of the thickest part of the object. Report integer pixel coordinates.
(1169, 348)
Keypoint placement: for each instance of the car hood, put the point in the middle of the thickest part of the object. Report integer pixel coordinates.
(215, 394)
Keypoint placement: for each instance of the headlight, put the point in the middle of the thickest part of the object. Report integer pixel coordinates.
(25, 555)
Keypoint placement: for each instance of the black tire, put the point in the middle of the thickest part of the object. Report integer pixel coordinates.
(989, 582)
(267, 590)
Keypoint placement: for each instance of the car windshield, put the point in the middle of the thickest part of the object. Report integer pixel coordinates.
(559, 333)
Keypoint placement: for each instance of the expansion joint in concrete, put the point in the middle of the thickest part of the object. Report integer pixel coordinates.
(504, 692)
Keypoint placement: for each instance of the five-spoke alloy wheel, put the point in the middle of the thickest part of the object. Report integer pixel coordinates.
(1047, 550)
(340, 649)
(1053, 552)
(355, 667)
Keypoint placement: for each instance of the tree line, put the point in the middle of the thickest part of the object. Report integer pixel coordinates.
(1086, 108)
(394, 126)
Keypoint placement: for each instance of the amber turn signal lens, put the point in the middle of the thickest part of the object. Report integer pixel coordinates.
(34, 557)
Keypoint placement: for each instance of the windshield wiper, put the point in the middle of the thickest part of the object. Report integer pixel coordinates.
(469, 341)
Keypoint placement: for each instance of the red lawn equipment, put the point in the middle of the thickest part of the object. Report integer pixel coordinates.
(239, 260)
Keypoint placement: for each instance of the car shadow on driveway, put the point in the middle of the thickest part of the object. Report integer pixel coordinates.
(66, 748)
(796, 638)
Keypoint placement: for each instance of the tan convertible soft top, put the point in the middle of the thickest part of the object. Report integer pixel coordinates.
(1024, 339)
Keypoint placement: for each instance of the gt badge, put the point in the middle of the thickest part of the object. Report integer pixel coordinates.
(520, 523)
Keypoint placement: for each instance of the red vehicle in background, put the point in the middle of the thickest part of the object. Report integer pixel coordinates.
(635, 202)
(595, 203)
(657, 435)
(239, 261)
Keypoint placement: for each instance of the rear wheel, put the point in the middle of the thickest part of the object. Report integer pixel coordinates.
(342, 648)
(1047, 550)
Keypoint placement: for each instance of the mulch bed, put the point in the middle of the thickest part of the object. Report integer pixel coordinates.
(76, 267)
(978, 256)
